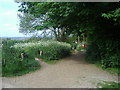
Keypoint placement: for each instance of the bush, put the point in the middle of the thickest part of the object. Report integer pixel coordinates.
(111, 61)
(92, 53)
(104, 48)
(78, 47)
(73, 45)
(12, 63)
(51, 50)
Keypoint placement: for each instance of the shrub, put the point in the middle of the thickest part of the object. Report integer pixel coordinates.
(104, 48)
(74, 45)
(78, 47)
(51, 50)
(92, 53)
(12, 63)
(111, 61)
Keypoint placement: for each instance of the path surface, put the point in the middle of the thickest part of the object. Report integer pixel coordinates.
(70, 72)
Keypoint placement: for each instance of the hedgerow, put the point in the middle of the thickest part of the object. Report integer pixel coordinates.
(50, 50)
(12, 63)
(104, 49)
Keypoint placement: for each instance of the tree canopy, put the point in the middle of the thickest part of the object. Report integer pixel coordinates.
(98, 22)
(71, 17)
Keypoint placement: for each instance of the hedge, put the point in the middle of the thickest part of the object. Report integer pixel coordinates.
(50, 50)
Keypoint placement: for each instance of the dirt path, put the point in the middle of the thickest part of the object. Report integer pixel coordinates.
(71, 72)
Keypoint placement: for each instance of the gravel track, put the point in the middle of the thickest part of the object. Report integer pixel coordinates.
(70, 72)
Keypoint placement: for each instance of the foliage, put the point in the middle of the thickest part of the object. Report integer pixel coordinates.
(79, 47)
(73, 45)
(112, 70)
(43, 18)
(109, 85)
(12, 64)
(33, 39)
(103, 43)
(51, 50)
(26, 23)
(92, 53)
(36, 39)
(114, 15)
(99, 22)
(104, 51)
(111, 61)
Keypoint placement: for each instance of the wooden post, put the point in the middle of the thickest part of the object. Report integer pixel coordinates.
(40, 53)
(22, 56)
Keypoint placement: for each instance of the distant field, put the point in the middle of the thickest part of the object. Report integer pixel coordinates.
(14, 38)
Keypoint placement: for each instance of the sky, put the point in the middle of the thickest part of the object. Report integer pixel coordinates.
(9, 21)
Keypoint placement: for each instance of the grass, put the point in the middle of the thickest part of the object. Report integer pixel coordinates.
(115, 71)
(20, 73)
(105, 84)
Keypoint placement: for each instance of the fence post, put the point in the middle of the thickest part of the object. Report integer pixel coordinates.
(40, 53)
(22, 56)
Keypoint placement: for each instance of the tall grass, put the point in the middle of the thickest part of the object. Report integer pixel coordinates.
(18, 57)
(50, 50)
(12, 63)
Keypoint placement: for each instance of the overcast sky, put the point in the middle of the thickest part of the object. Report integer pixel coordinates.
(8, 19)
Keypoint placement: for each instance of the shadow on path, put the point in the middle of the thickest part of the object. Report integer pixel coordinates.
(79, 57)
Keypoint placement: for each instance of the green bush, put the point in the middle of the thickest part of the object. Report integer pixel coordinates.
(51, 50)
(79, 46)
(111, 61)
(92, 53)
(12, 63)
(73, 45)
(107, 57)
(104, 48)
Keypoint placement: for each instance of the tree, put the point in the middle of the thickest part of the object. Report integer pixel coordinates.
(78, 18)
(48, 20)
(26, 23)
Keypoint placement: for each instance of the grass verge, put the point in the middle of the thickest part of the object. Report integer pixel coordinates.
(115, 71)
(20, 73)
(105, 84)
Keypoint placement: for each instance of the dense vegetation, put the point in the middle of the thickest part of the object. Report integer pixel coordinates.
(111, 85)
(95, 24)
(98, 24)
(18, 56)
(49, 50)
(12, 63)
